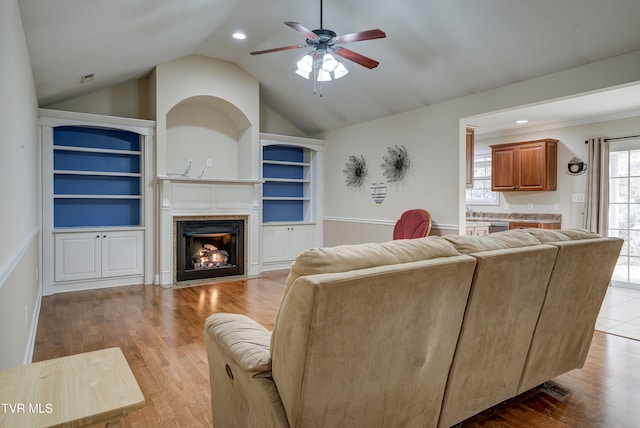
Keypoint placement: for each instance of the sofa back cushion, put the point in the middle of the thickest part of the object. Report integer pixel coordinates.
(370, 345)
(577, 287)
(506, 295)
(468, 244)
(344, 258)
(547, 235)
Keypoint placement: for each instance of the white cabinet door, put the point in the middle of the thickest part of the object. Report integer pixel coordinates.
(302, 238)
(77, 256)
(275, 244)
(122, 253)
(95, 255)
(282, 243)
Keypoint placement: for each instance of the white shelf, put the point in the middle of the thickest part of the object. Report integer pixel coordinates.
(274, 162)
(67, 196)
(285, 198)
(92, 150)
(97, 173)
(287, 180)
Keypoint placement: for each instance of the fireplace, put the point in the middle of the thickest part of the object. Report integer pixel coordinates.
(209, 248)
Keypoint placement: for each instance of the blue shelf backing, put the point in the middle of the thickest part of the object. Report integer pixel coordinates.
(69, 184)
(87, 161)
(282, 171)
(96, 212)
(273, 211)
(278, 189)
(96, 138)
(283, 153)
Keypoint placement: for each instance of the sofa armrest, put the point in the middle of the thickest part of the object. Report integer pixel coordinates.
(244, 341)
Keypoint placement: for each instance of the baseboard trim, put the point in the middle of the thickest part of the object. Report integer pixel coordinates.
(28, 353)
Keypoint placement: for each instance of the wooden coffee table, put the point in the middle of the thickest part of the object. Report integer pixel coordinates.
(84, 389)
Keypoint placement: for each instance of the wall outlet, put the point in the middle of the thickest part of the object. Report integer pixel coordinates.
(577, 197)
(530, 206)
(209, 162)
(506, 205)
(556, 206)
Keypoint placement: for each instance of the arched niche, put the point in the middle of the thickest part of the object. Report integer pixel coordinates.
(213, 134)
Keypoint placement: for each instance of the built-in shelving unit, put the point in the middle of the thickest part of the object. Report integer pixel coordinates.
(96, 201)
(291, 198)
(96, 177)
(286, 190)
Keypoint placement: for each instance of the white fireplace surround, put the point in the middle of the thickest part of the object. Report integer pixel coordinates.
(185, 197)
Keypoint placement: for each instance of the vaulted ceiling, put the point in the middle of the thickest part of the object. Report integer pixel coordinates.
(435, 50)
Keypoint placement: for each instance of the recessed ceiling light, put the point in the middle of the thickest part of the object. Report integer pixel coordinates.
(239, 36)
(522, 121)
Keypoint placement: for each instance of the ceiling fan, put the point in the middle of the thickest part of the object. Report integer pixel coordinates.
(324, 42)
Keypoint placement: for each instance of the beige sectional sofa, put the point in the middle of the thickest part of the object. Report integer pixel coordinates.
(413, 333)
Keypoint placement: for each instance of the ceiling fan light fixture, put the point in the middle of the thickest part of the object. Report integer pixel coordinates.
(323, 65)
(302, 73)
(323, 76)
(305, 64)
(340, 71)
(329, 63)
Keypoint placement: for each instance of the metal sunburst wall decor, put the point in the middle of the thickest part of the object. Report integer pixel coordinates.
(396, 163)
(355, 171)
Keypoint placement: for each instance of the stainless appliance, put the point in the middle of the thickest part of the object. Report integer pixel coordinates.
(498, 226)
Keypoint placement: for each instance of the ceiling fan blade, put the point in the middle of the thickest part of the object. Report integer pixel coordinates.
(360, 36)
(284, 48)
(302, 30)
(356, 57)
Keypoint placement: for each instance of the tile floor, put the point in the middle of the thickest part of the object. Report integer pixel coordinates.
(620, 313)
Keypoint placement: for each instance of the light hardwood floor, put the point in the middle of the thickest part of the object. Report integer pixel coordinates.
(160, 333)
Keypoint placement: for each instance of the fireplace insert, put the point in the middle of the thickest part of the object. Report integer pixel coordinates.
(209, 249)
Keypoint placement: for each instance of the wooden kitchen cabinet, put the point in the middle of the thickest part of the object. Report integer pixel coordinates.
(524, 166)
(514, 225)
(469, 156)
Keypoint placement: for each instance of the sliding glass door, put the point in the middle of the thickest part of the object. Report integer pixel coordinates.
(624, 209)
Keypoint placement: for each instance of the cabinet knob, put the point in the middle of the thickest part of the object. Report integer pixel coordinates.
(97, 236)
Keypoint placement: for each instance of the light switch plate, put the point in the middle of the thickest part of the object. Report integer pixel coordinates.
(577, 197)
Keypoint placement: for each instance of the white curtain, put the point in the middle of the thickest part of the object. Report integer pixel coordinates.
(596, 202)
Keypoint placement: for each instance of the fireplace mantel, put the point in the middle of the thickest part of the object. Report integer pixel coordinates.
(180, 179)
(197, 197)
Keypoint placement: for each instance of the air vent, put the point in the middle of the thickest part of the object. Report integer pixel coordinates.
(87, 78)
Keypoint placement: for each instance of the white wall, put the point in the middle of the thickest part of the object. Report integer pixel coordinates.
(273, 123)
(129, 99)
(571, 144)
(434, 138)
(19, 193)
(198, 131)
(198, 76)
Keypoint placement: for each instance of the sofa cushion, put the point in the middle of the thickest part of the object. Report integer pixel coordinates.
(467, 244)
(545, 235)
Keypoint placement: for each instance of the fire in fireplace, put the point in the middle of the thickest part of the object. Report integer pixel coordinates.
(209, 249)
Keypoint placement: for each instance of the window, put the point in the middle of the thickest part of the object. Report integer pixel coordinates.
(624, 210)
(481, 193)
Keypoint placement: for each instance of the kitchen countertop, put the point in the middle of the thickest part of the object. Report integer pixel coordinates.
(514, 218)
(478, 223)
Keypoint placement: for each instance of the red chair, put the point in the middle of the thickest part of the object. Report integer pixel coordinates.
(412, 224)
